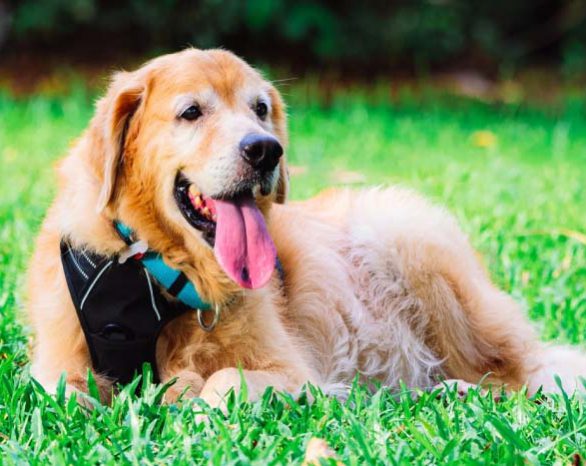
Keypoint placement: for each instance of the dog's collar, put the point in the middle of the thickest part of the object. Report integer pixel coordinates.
(172, 280)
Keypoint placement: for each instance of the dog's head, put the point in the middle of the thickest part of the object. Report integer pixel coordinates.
(189, 151)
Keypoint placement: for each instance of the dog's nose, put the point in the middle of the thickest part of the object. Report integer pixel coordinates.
(260, 151)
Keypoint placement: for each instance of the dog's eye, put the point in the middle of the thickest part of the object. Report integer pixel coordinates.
(261, 110)
(191, 113)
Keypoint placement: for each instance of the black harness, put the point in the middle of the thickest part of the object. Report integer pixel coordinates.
(121, 309)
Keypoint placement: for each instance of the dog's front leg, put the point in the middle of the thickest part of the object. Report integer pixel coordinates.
(257, 381)
(76, 381)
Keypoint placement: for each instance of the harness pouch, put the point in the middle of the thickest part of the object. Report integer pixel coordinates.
(119, 358)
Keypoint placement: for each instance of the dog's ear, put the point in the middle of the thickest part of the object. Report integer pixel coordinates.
(279, 117)
(109, 128)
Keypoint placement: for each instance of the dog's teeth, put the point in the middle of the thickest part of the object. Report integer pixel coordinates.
(197, 201)
(193, 191)
(206, 211)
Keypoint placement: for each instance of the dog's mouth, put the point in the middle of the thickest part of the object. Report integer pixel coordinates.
(235, 227)
(198, 209)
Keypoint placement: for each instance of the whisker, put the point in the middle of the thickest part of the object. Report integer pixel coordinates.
(284, 80)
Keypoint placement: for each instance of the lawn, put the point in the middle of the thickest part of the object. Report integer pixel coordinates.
(514, 174)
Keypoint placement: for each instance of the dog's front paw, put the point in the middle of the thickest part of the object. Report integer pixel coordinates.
(188, 384)
(218, 385)
(71, 391)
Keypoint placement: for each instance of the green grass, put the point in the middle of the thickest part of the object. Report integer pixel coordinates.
(522, 201)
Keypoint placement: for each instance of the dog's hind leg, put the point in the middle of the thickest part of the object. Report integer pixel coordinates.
(478, 331)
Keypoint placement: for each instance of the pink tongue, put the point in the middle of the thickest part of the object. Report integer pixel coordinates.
(243, 246)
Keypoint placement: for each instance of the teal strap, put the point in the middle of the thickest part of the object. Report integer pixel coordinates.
(166, 276)
(125, 232)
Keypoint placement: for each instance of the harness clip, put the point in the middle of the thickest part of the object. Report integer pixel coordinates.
(136, 250)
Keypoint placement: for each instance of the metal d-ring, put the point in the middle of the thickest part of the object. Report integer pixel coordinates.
(208, 328)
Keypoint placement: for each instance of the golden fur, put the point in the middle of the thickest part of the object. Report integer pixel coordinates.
(377, 282)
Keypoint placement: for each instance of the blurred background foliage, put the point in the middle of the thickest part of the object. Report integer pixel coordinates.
(496, 36)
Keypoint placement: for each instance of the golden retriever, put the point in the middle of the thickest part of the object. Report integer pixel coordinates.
(375, 282)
